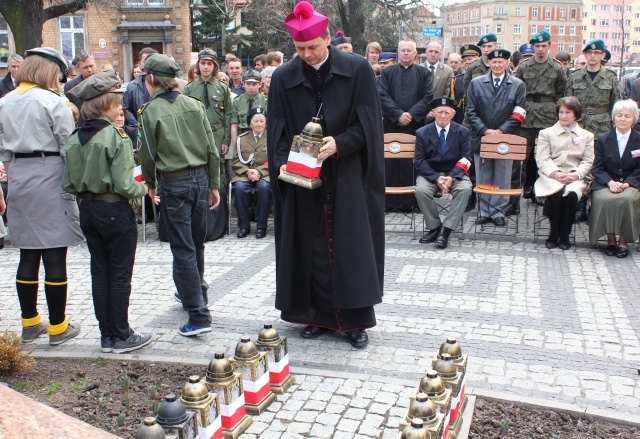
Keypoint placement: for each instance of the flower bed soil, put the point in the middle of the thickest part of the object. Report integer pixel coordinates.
(93, 390)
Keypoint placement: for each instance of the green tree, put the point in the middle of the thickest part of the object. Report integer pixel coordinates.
(25, 18)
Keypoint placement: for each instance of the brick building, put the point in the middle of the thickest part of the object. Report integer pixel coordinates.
(514, 23)
(115, 31)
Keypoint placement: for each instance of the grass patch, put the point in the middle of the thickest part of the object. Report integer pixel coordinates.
(53, 388)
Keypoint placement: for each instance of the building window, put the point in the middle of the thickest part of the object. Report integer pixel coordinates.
(72, 35)
(464, 31)
(499, 45)
(617, 8)
(560, 30)
(617, 22)
(534, 29)
(571, 49)
(516, 45)
(574, 14)
(517, 30)
(604, 35)
(4, 41)
(594, 8)
(572, 31)
(487, 29)
(615, 49)
(616, 35)
(547, 28)
(499, 28)
(464, 15)
(592, 35)
(593, 22)
(636, 43)
(500, 10)
(563, 13)
(604, 22)
(560, 47)
(534, 12)
(547, 13)
(517, 12)
(627, 23)
(478, 30)
(605, 8)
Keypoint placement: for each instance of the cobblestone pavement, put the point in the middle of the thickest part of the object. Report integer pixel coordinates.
(560, 328)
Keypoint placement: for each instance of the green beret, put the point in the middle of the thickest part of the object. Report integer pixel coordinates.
(594, 45)
(470, 50)
(207, 54)
(97, 85)
(487, 38)
(540, 37)
(252, 75)
(161, 65)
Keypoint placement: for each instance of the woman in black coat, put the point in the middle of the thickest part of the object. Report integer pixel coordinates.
(616, 186)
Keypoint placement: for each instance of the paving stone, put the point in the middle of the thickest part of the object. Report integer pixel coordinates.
(348, 425)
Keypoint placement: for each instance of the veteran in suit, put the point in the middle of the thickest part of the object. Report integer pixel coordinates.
(616, 186)
(564, 156)
(442, 160)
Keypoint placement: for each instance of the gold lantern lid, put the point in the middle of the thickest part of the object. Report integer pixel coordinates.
(220, 369)
(268, 335)
(445, 367)
(313, 130)
(422, 407)
(451, 347)
(195, 390)
(432, 384)
(246, 350)
(415, 430)
(149, 429)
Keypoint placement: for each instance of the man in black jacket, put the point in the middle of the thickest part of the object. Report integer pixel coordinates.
(9, 82)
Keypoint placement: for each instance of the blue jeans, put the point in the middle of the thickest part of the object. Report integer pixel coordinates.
(111, 233)
(242, 192)
(184, 204)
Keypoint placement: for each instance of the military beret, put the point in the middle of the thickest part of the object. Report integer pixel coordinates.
(594, 45)
(470, 50)
(161, 65)
(527, 50)
(97, 85)
(340, 38)
(607, 56)
(207, 54)
(540, 37)
(443, 102)
(487, 38)
(254, 111)
(52, 55)
(252, 75)
(499, 53)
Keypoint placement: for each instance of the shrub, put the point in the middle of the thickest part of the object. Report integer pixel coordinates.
(12, 358)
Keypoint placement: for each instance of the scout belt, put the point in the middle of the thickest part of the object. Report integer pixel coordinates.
(27, 155)
(102, 197)
(182, 172)
(540, 98)
(590, 111)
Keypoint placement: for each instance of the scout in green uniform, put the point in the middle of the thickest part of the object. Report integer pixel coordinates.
(180, 162)
(546, 82)
(216, 97)
(251, 98)
(597, 89)
(251, 172)
(99, 170)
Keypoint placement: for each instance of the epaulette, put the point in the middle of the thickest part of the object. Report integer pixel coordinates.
(557, 62)
(122, 133)
(141, 109)
(193, 97)
(58, 92)
(244, 134)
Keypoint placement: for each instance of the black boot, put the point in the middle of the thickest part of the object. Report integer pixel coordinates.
(581, 213)
(513, 208)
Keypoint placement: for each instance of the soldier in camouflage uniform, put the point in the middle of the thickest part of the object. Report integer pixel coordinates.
(597, 90)
(546, 82)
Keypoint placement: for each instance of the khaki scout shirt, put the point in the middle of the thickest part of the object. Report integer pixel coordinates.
(241, 109)
(219, 111)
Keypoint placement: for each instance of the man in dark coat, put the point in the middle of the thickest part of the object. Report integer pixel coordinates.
(329, 240)
(406, 89)
(9, 82)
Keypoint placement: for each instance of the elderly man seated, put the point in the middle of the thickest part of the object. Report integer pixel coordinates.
(442, 162)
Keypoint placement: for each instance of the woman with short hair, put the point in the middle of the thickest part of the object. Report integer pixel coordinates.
(615, 202)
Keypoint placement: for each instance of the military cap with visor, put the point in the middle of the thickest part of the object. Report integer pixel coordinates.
(594, 45)
(470, 50)
(254, 111)
(527, 49)
(97, 85)
(487, 38)
(208, 54)
(443, 102)
(499, 53)
(52, 55)
(161, 65)
(252, 75)
(540, 37)
(387, 57)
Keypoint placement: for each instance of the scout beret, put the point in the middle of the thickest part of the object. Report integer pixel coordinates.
(254, 111)
(499, 53)
(594, 45)
(470, 50)
(207, 54)
(97, 85)
(443, 102)
(304, 23)
(527, 50)
(607, 56)
(161, 65)
(52, 55)
(540, 37)
(252, 75)
(487, 38)
(340, 38)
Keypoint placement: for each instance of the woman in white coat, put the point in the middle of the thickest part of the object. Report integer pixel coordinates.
(564, 156)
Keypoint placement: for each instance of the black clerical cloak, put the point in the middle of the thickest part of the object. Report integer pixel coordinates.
(352, 115)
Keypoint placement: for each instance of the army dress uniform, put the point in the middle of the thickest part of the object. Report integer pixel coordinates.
(546, 83)
(179, 156)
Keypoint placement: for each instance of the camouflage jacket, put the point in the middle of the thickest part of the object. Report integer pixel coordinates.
(477, 68)
(597, 98)
(546, 83)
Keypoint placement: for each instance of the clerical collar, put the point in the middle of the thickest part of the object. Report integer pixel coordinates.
(406, 67)
(317, 66)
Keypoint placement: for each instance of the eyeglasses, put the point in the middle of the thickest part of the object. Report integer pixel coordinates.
(593, 52)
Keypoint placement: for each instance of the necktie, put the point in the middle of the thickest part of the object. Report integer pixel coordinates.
(497, 83)
(250, 103)
(207, 104)
(433, 71)
(443, 141)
